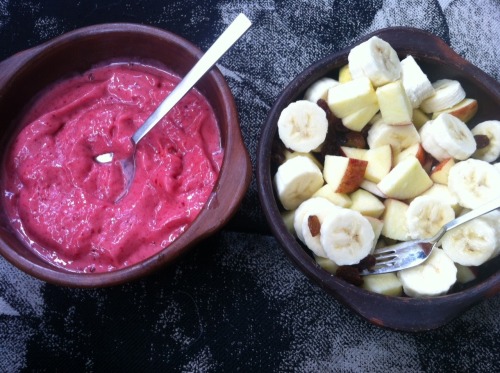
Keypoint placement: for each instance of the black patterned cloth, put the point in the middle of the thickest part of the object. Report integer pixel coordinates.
(235, 302)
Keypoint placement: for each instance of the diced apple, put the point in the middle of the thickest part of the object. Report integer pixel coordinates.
(379, 163)
(379, 160)
(415, 150)
(357, 153)
(419, 118)
(465, 274)
(344, 174)
(372, 187)
(439, 174)
(327, 264)
(347, 98)
(359, 119)
(406, 180)
(394, 218)
(377, 226)
(366, 203)
(385, 284)
(345, 74)
(288, 217)
(395, 106)
(339, 199)
(444, 194)
(464, 110)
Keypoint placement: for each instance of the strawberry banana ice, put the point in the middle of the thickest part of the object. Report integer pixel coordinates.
(62, 202)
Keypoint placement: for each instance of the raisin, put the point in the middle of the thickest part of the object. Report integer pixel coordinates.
(355, 140)
(367, 262)
(314, 225)
(482, 141)
(350, 274)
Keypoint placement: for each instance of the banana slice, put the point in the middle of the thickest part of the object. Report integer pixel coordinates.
(302, 126)
(347, 237)
(309, 207)
(490, 128)
(433, 277)
(296, 180)
(375, 59)
(311, 230)
(492, 219)
(426, 215)
(447, 137)
(319, 89)
(447, 93)
(399, 137)
(417, 86)
(474, 182)
(470, 244)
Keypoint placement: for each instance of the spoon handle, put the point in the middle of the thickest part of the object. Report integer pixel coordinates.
(225, 41)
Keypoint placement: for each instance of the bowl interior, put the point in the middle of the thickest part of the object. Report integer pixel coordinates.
(438, 61)
(32, 71)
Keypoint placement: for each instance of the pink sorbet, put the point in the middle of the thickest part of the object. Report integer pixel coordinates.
(62, 202)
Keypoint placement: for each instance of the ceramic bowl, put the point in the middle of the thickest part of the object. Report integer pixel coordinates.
(25, 74)
(401, 313)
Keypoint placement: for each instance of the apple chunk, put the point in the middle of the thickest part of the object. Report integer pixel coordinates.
(439, 174)
(347, 98)
(366, 203)
(344, 174)
(395, 106)
(416, 150)
(464, 110)
(379, 160)
(406, 180)
(394, 218)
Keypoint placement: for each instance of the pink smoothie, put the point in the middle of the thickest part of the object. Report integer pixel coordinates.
(62, 202)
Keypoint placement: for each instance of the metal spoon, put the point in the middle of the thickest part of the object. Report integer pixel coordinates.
(225, 41)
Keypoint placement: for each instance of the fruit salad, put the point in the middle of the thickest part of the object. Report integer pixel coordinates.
(382, 155)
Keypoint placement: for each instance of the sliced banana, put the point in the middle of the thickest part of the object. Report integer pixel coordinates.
(375, 59)
(474, 182)
(426, 215)
(319, 89)
(447, 137)
(309, 207)
(447, 93)
(417, 86)
(297, 180)
(470, 244)
(490, 128)
(302, 126)
(433, 277)
(399, 137)
(312, 239)
(347, 237)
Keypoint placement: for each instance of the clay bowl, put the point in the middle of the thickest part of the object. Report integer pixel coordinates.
(401, 313)
(25, 74)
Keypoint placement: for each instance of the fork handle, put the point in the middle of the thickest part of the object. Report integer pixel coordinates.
(481, 210)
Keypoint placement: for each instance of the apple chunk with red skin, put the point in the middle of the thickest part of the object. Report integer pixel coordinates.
(379, 160)
(344, 174)
(439, 174)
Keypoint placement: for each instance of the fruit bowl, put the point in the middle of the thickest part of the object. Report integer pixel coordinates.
(438, 61)
(27, 73)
